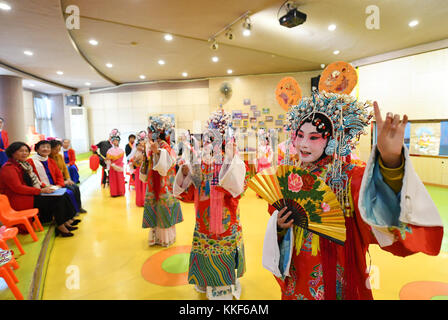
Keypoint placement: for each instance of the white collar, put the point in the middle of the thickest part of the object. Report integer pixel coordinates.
(40, 158)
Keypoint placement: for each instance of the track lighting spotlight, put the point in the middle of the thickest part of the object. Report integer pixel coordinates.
(214, 45)
(247, 26)
(229, 34)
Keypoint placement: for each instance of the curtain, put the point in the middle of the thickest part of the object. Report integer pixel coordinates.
(43, 112)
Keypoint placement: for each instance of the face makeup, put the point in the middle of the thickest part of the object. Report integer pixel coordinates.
(310, 144)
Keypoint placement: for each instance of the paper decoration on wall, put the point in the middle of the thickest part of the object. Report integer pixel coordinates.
(246, 102)
(288, 92)
(236, 123)
(338, 77)
(281, 116)
(266, 110)
(269, 118)
(278, 122)
(243, 130)
(253, 120)
(245, 123)
(237, 115)
(253, 108)
(257, 113)
(425, 138)
(245, 116)
(261, 123)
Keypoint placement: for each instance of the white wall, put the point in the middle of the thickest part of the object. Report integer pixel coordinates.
(415, 85)
(129, 111)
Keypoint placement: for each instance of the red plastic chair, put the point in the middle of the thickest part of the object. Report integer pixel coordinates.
(10, 278)
(10, 217)
(11, 233)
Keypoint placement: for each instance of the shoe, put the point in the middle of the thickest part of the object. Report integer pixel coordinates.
(70, 228)
(64, 234)
(82, 210)
(75, 222)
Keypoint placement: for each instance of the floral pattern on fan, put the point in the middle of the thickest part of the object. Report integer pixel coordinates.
(309, 183)
(295, 182)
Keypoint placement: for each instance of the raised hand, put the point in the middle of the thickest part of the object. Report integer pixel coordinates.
(154, 147)
(390, 136)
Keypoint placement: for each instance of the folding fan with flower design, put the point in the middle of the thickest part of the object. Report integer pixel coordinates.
(313, 204)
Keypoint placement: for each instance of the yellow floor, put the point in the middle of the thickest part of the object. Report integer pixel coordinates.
(110, 249)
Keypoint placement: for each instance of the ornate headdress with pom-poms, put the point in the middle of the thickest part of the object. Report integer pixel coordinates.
(220, 120)
(159, 124)
(141, 136)
(114, 135)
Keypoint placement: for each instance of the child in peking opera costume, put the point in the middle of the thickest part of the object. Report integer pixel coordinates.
(114, 161)
(264, 151)
(215, 186)
(162, 210)
(383, 203)
(136, 159)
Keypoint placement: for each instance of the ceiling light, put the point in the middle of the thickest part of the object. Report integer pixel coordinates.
(161, 62)
(229, 34)
(184, 74)
(168, 37)
(332, 27)
(32, 85)
(229, 71)
(336, 52)
(87, 83)
(215, 59)
(109, 65)
(5, 6)
(28, 53)
(142, 77)
(93, 42)
(247, 26)
(60, 73)
(413, 23)
(322, 65)
(214, 45)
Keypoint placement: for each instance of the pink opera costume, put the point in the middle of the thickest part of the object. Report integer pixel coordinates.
(114, 161)
(264, 151)
(162, 210)
(217, 256)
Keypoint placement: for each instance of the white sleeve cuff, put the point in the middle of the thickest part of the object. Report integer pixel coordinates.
(232, 176)
(181, 182)
(163, 162)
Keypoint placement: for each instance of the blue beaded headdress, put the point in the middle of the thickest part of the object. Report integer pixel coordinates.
(158, 124)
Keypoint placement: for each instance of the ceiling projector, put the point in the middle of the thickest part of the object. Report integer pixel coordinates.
(293, 18)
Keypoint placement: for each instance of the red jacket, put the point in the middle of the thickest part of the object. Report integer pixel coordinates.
(72, 157)
(55, 172)
(5, 139)
(14, 187)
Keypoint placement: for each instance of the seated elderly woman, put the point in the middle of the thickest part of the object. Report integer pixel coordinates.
(25, 191)
(48, 172)
(69, 184)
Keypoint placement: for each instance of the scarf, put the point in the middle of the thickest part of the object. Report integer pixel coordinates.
(40, 168)
(29, 171)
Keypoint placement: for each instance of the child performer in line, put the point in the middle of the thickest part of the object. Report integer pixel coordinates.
(162, 210)
(114, 160)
